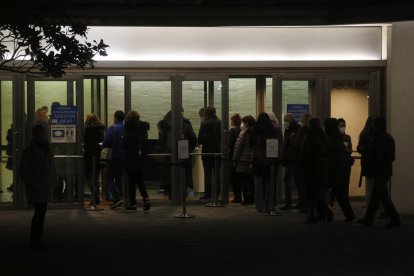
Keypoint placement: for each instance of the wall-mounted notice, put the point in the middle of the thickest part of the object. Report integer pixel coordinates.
(297, 110)
(64, 119)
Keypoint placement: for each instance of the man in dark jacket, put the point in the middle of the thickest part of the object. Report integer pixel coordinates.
(165, 143)
(209, 136)
(38, 171)
(135, 144)
(380, 154)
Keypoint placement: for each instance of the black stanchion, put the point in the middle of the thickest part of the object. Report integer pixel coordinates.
(215, 202)
(184, 211)
(94, 190)
(183, 153)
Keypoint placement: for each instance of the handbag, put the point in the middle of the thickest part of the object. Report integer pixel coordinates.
(106, 153)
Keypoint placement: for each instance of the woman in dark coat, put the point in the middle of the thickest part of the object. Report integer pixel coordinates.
(94, 136)
(38, 172)
(135, 143)
(340, 163)
(242, 158)
(264, 188)
(314, 161)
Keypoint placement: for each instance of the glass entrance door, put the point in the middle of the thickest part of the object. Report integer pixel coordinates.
(47, 102)
(6, 137)
(152, 100)
(296, 95)
(95, 97)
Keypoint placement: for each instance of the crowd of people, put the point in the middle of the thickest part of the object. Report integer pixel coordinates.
(316, 158)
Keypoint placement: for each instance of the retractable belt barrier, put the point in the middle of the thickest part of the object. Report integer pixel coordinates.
(70, 188)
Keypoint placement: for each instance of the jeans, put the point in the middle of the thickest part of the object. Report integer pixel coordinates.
(264, 192)
(38, 220)
(114, 179)
(136, 179)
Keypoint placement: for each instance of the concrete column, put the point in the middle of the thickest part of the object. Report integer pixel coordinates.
(260, 94)
(400, 99)
(211, 93)
(127, 103)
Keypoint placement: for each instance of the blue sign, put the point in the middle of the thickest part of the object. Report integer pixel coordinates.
(297, 110)
(64, 115)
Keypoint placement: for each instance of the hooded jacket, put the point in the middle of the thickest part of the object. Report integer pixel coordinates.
(135, 145)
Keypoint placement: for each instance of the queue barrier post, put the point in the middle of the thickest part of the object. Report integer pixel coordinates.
(183, 154)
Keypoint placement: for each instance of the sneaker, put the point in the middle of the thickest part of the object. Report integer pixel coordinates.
(147, 205)
(116, 204)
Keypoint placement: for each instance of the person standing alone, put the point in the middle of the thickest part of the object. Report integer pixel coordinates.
(38, 172)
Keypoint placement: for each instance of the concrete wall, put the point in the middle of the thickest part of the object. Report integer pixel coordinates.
(400, 104)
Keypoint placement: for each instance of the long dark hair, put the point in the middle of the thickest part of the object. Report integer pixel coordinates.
(264, 126)
(331, 127)
(368, 128)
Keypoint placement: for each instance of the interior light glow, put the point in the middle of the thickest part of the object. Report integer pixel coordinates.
(240, 43)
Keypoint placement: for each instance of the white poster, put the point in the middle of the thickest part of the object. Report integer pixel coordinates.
(272, 148)
(63, 133)
(183, 149)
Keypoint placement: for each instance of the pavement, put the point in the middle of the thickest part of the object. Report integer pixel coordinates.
(230, 240)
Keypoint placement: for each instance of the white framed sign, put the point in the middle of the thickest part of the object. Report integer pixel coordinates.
(183, 151)
(63, 133)
(272, 148)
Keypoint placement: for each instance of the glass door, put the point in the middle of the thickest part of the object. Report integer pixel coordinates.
(59, 106)
(152, 100)
(296, 95)
(95, 97)
(206, 97)
(6, 141)
(198, 97)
